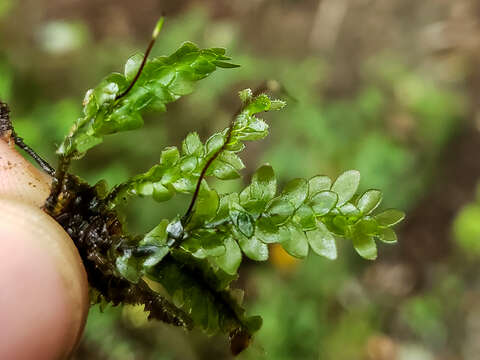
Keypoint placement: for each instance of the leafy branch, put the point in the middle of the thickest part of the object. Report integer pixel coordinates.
(117, 103)
(195, 257)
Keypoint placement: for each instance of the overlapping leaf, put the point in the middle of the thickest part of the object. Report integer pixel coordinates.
(163, 80)
(196, 257)
(179, 170)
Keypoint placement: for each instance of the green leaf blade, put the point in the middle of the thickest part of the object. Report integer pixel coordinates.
(364, 245)
(389, 217)
(346, 186)
(322, 242)
(369, 201)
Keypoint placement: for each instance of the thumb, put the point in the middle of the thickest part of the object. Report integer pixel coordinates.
(19, 179)
(44, 297)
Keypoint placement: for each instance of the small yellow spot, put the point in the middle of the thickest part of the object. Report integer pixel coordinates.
(281, 259)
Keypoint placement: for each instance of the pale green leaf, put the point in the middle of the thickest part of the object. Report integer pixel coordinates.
(231, 259)
(369, 201)
(322, 242)
(389, 217)
(323, 202)
(346, 186)
(364, 245)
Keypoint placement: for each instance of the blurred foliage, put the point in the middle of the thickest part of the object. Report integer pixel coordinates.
(466, 228)
(394, 126)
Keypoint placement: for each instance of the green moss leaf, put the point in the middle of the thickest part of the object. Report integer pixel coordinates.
(266, 231)
(293, 240)
(322, 242)
(305, 217)
(387, 235)
(323, 202)
(296, 192)
(346, 186)
(231, 259)
(389, 217)
(253, 248)
(369, 201)
(364, 245)
(192, 145)
(317, 184)
(132, 65)
(279, 210)
(169, 156)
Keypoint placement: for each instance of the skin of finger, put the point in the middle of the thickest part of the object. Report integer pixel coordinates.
(19, 179)
(44, 301)
(23, 190)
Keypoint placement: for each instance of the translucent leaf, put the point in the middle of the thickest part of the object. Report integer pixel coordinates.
(305, 218)
(226, 65)
(387, 235)
(132, 66)
(296, 192)
(224, 171)
(280, 210)
(244, 222)
(162, 193)
(232, 159)
(163, 80)
(389, 217)
(183, 83)
(175, 229)
(294, 241)
(144, 189)
(158, 255)
(317, 184)
(157, 236)
(169, 156)
(192, 145)
(266, 231)
(203, 243)
(323, 202)
(231, 259)
(364, 245)
(277, 105)
(207, 204)
(348, 209)
(227, 202)
(367, 226)
(346, 186)
(340, 224)
(322, 242)
(184, 184)
(245, 95)
(188, 164)
(264, 184)
(369, 201)
(258, 104)
(253, 248)
(214, 143)
(128, 266)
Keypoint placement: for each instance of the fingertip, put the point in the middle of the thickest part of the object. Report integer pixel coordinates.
(19, 179)
(45, 302)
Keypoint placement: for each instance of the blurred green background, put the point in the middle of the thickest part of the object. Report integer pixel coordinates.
(386, 87)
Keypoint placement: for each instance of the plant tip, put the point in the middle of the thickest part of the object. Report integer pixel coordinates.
(158, 27)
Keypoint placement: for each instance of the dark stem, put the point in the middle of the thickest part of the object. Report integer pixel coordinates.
(112, 196)
(6, 129)
(41, 162)
(58, 184)
(187, 215)
(140, 69)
